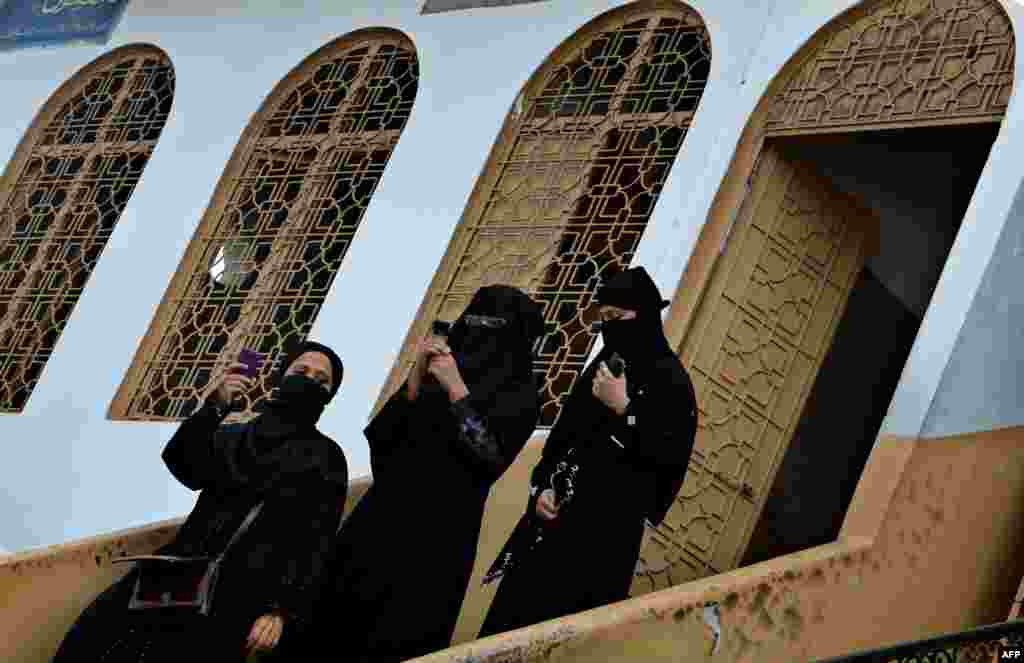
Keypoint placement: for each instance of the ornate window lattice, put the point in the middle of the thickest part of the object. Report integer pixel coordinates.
(899, 62)
(63, 193)
(281, 221)
(573, 178)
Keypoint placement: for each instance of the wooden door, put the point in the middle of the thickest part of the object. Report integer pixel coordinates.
(759, 335)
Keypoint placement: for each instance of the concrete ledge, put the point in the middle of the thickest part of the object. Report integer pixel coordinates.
(661, 626)
(931, 544)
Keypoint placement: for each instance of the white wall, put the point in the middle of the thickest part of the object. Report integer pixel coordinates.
(68, 472)
(983, 386)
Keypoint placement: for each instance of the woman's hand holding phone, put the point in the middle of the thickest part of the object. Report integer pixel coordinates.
(232, 383)
(428, 347)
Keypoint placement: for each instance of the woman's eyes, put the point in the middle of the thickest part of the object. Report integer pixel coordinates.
(490, 322)
(321, 380)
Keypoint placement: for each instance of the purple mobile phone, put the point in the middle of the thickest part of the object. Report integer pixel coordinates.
(253, 361)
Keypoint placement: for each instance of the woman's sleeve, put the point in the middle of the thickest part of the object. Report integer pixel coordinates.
(309, 540)
(388, 430)
(484, 443)
(659, 427)
(190, 454)
(658, 431)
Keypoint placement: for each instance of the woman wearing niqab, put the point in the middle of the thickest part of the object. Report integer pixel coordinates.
(270, 575)
(623, 468)
(406, 553)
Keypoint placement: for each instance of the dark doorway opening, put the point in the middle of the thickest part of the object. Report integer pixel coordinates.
(919, 182)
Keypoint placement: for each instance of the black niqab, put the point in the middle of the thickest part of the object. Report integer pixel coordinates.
(641, 340)
(283, 441)
(495, 364)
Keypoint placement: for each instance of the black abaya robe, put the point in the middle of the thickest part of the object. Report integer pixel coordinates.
(406, 553)
(626, 473)
(299, 474)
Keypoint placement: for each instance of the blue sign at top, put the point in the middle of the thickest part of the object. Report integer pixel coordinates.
(40, 23)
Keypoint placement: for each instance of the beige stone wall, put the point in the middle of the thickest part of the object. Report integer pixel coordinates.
(932, 543)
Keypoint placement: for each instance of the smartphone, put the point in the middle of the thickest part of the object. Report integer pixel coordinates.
(253, 362)
(616, 365)
(441, 328)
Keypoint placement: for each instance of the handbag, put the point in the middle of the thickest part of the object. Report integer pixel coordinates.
(529, 532)
(168, 581)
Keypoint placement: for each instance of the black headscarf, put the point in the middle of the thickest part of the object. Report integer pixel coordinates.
(299, 349)
(491, 360)
(283, 441)
(497, 364)
(641, 340)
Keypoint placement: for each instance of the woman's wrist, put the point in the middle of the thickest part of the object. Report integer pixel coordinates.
(457, 392)
(414, 382)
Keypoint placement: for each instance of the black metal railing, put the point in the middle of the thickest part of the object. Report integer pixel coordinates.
(980, 645)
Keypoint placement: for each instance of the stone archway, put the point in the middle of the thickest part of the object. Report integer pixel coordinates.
(882, 65)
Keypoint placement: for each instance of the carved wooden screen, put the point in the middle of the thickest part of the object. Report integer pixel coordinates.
(281, 221)
(896, 63)
(573, 178)
(62, 195)
(883, 64)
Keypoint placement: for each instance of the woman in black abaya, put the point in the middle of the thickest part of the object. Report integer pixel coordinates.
(406, 554)
(271, 574)
(624, 461)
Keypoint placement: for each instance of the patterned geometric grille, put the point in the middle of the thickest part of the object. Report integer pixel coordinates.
(82, 159)
(757, 341)
(568, 195)
(898, 62)
(905, 63)
(287, 209)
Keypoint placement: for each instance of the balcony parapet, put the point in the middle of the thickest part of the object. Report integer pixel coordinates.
(930, 545)
(44, 590)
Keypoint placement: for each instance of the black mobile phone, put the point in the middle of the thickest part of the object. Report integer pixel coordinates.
(441, 328)
(616, 365)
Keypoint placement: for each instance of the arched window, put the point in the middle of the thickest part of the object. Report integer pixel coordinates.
(61, 196)
(281, 220)
(893, 63)
(573, 178)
